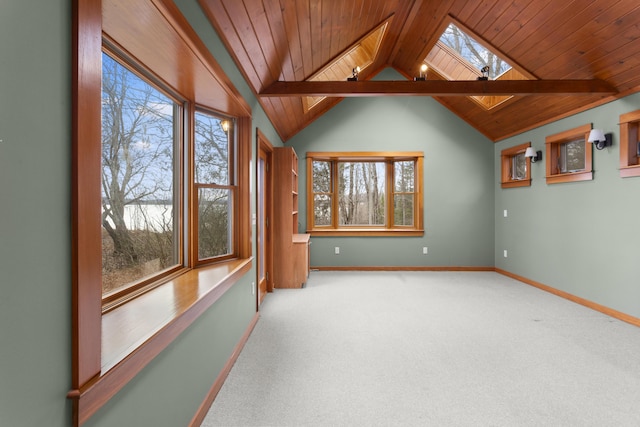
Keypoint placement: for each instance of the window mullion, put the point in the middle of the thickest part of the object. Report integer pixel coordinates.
(334, 194)
(390, 194)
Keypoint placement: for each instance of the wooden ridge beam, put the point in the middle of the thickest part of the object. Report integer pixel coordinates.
(345, 88)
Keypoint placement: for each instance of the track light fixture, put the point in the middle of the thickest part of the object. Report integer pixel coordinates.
(354, 75)
(423, 74)
(485, 73)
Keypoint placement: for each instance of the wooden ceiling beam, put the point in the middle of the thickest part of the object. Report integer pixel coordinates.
(345, 89)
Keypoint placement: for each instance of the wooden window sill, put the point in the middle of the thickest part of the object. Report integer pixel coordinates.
(629, 171)
(569, 177)
(515, 184)
(135, 332)
(397, 232)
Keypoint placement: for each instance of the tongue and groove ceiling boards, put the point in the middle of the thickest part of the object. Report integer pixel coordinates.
(562, 57)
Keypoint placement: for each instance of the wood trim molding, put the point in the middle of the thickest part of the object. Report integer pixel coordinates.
(116, 373)
(629, 137)
(578, 300)
(552, 154)
(86, 158)
(400, 268)
(506, 157)
(200, 415)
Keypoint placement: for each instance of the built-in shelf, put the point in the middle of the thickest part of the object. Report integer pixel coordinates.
(291, 250)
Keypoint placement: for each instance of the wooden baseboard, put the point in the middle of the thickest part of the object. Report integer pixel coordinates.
(200, 415)
(578, 300)
(402, 268)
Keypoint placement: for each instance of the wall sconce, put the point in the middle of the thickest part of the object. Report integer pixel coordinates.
(535, 155)
(354, 75)
(423, 74)
(224, 124)
(485, 73)
(600, 139)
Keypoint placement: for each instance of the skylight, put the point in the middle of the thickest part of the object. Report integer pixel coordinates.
(475, 53)
(459, 56)
(361, 54)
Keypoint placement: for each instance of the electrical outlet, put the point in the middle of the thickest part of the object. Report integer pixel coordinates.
(505, 253)
(253, 288)
(425, 250)
(337, 250)
(505, 213)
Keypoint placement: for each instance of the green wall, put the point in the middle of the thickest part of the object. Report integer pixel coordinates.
(35, 182)
(582, 237)
(579, 237)
(35, 243)
(458, 180)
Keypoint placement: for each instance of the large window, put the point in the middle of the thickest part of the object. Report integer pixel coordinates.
(135, 201)
(364, 193)
(214, 185)
(569, 156)
(141, 137)
(143, 148)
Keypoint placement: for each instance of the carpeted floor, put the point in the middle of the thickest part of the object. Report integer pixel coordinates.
(430, 349)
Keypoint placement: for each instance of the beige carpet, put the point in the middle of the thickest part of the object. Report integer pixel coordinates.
(430, 349)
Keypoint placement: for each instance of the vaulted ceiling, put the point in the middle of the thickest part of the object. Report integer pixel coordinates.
(569, 55)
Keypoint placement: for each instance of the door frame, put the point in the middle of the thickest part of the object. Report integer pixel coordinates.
(265, 150)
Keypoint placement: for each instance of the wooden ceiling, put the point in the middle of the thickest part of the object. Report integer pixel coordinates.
(579, 53)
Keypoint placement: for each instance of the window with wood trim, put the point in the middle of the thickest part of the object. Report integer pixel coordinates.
(630, 144)
(137, 173)
(569, 157)
(140, 181)
(515, 167)
(364, 193)
(215, 187)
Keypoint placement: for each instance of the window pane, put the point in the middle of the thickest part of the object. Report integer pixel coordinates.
(572, 156)
(211, 149)
(475, 53)
(361, 193)
(214, 212)
(518, 167)
(322, 209)
(139, 128)
(403, 209)
(321, 177)
(404, 177)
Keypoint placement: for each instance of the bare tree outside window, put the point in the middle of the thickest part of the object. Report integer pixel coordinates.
(404, 192)
(572, 156)
(322, 192)
(213, 179)
(369, 194)
(475, 53)
(361, 193)
(138, 178)
(518, 167)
